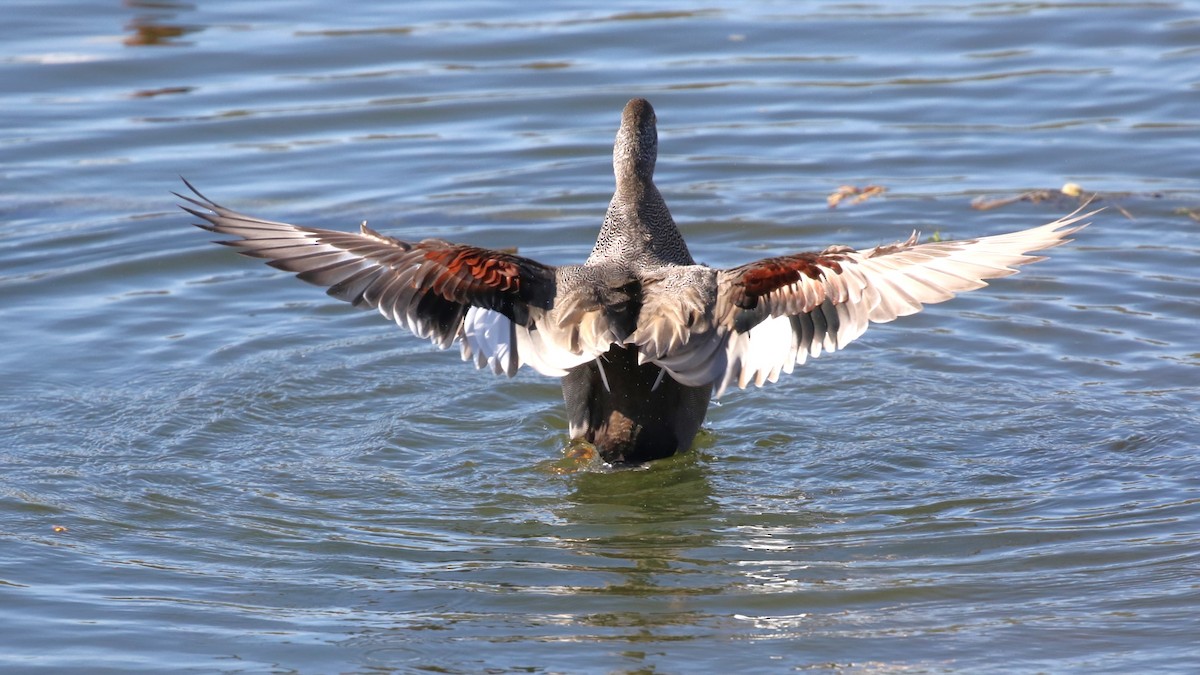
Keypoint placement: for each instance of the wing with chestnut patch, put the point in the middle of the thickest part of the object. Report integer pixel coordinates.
(773, 314)
(429, 287)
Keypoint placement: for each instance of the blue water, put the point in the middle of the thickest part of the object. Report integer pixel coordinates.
(211, 467)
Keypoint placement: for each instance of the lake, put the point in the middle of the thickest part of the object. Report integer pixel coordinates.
(212, 467)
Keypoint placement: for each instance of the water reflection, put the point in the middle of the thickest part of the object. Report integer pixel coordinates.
(155, 24)
(657, 492)
(646, 526)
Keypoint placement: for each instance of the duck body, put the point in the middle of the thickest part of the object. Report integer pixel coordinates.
(625, 415)
(641, 336)
(630, 411)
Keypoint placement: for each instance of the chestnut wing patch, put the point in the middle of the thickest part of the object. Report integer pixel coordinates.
(781, 276)
(427, 287)
(769, 274)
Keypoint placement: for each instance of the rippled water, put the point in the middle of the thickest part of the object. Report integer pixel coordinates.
(209, 466)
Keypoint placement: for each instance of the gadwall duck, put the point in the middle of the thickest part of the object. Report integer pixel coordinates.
(641, 335)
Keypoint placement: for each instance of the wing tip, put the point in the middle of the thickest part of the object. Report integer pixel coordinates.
(1069, 221)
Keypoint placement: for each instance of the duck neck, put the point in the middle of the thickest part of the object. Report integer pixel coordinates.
(638, 228)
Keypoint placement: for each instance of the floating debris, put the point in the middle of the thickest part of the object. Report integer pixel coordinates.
(1191, 212)
(1069, 191)
(859, 194)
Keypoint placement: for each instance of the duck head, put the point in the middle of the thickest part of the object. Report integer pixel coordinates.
(636, 147)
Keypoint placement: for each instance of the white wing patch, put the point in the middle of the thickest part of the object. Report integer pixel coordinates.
(494, 342)
(761, 353)
(487, 339)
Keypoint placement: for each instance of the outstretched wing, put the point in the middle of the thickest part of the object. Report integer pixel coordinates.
(775, 313)
(430, 287)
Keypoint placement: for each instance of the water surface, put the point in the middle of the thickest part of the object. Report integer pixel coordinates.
(211, 467)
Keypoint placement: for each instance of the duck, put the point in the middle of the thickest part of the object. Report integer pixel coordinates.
(642, 336)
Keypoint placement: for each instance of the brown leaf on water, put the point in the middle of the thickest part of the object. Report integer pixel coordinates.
(162, 91)
(854, 193)
(1033, 197)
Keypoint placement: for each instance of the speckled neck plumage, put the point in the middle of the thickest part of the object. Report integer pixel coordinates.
(638, 229)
